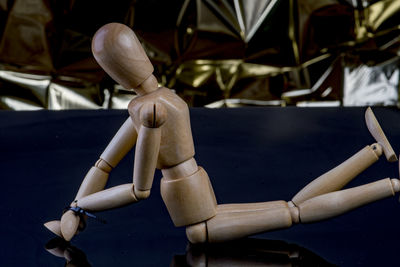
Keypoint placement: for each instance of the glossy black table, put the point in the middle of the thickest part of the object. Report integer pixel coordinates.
(250, 154)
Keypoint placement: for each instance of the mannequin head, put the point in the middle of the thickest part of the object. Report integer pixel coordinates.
(119, 52)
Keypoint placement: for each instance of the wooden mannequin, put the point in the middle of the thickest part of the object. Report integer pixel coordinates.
(159, 126)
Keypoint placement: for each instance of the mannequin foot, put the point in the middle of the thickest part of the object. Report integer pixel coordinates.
(377, 132)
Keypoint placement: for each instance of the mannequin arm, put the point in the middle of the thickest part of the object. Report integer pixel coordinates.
(152, 117)
(96, 179)
(120, 145)
(146, 154)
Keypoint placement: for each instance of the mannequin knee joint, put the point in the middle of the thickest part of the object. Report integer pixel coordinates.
(197, 233)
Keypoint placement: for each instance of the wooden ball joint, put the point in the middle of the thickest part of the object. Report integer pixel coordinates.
(159, 128)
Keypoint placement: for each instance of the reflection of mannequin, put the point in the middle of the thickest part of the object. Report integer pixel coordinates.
(244, 252)
(159, 125)
(74, 257)
(248, 252)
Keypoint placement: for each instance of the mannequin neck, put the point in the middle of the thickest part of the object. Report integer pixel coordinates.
(147, 86)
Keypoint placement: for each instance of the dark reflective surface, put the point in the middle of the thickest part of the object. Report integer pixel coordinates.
(248, 252)
(245, 252)
(251, 155)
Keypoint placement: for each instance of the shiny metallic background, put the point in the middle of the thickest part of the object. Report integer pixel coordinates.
(214, 53)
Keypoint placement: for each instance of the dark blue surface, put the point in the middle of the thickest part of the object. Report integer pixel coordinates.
(251, 155)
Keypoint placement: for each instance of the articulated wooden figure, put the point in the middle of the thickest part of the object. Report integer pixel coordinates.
(159, 125)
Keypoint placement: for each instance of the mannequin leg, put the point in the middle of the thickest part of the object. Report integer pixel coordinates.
(338, 177)
(241, 220)
(335, 203)
(235, 221)
(341, 175)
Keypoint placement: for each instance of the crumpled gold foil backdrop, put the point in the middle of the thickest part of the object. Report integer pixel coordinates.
(213, 53)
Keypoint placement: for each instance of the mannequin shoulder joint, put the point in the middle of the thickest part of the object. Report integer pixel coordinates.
(153, 114)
